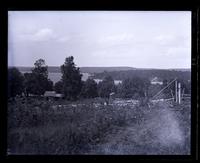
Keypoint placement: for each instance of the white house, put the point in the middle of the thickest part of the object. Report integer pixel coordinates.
(53, 94)
(155, 80)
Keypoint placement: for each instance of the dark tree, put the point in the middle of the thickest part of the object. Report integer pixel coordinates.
(106, 87)
(15, 82)
(58, 87)
(40, 68)
(49, 86)
(89, 89)
(135, 88)
(30, 82)
(165, 82)
(71, 78)
(37, 82)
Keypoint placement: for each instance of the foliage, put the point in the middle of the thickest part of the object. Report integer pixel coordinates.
(89, 89)
(37, 82)
(154, 89)
(40, 68)
(106, 87)
(166, 75)
(58, 87)
(38, 127)
(149, 73)
(71, 78)
(15, 82)
(135, 88)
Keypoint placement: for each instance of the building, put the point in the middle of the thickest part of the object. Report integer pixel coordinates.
(53, 94)
(156, 80)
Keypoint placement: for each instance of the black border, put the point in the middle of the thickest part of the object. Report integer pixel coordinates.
(151, 5)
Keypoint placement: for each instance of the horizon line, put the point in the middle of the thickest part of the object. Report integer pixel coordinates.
(113, 67)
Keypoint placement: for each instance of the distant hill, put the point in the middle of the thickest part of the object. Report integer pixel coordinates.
(55, 69)
(82, 69)
(102, 69)
(24, 69)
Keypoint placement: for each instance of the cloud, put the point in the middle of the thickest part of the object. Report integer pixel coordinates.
(171, 40)
(178, 51)
(44, 34)
(63, 39)
(116, 38)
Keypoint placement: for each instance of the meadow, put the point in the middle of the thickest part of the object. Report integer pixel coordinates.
(37, 126)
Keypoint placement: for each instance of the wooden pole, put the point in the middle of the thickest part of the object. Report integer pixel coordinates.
(172, 94)
(176, 91)
(179, 93)
(183, 92)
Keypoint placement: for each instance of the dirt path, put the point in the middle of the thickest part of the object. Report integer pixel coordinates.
(158, 133)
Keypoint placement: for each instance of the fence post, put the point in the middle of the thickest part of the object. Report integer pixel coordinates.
(176, 91)
(172, 94)
(179, 93)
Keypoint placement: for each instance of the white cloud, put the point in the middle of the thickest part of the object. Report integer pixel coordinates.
(171, 40)
(120, 38)
(44, 34)
(163, 39)
(63, 39)
(178, 51)
(116, 38)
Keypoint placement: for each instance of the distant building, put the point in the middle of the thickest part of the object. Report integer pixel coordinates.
(111, 97)
(53, 94)
(156, 80)
(116, 82)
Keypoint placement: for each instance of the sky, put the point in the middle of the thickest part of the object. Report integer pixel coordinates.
(140, 39)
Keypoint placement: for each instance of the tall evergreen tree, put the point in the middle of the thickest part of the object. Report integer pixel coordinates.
(37, 82)
(71, 78)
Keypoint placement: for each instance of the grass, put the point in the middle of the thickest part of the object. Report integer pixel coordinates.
(37, 126)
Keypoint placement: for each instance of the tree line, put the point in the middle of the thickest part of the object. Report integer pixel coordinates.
(71, 85)
(184, 77)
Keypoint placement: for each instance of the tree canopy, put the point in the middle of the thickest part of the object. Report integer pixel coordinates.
(37, 82)
(15, 82)
(40, 68)
(71, 78)
(89, 89)
(106, 87)
(135, 87)
(58, 87)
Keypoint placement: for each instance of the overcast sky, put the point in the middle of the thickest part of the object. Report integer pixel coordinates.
(101, 38)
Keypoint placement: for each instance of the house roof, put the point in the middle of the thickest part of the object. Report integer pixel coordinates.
(156, 79)
(59, 95)
(112, 93)
(50, 94)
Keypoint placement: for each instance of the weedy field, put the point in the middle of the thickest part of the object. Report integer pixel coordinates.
(37, 126)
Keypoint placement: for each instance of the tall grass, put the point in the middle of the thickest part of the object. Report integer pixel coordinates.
(38, 127)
